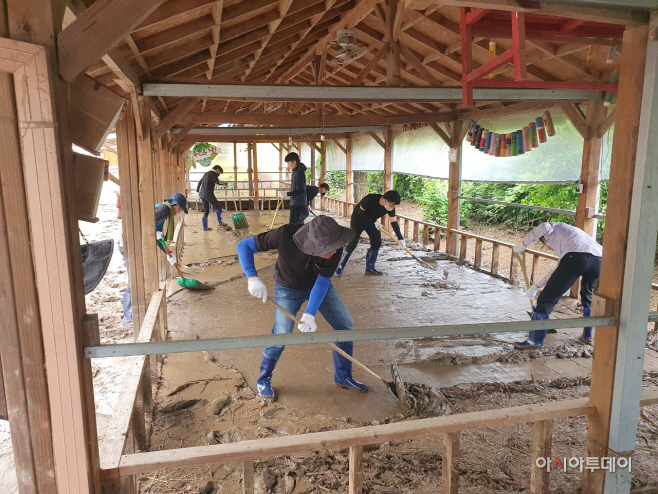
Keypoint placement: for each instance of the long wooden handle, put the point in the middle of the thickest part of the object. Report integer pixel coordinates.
(525, 274)
(399, 243)
(333, 346)
(164, 246)
(278, 203)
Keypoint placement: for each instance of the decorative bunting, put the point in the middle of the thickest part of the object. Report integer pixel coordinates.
(515, 143)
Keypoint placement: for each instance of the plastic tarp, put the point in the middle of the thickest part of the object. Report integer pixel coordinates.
(305, 154)
(367, 154)
(421, 152)
(336, 159)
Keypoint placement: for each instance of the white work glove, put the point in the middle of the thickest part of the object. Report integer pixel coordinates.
(308, 324)
(283, 194)
(403, 242)
(196, 195)
(257, 288)
(378, 224)
(532, 292)
(519, 248)
(159, 235)
(172, 259)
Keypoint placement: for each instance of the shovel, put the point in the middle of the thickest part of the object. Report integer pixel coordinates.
(423, 263)
(527, 285)
(396, 387)
(188, 283)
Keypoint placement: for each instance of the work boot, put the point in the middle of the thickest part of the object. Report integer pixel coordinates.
(530, 312)
(218, 213)
(371, 259)
(204, 222)
(343, 369)
(264, 381)
(586, 337)
(536, 337)
(342, 263)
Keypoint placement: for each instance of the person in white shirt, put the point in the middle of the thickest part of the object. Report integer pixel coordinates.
(580, 255)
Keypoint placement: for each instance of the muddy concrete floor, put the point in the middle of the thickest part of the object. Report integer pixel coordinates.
(208, 397)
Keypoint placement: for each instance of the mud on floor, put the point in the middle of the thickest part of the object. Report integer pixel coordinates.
(204, 403)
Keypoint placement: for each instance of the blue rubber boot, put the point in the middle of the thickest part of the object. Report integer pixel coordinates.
(219, 217)
(343, 369)
(343, 262)
(371, 259)
(204, 222)
(536, 337)
(586, 337)
(264, 381)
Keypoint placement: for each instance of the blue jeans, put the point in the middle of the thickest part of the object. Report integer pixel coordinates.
(332, 309)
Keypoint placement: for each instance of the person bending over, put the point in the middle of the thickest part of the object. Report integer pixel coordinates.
(580, 255)
(366, 216)
(308, 256)
(171, 208)
(206, 190)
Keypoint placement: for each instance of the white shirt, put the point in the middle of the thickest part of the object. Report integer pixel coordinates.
(563, 238)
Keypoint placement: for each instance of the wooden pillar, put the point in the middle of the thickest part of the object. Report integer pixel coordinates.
(393, 56)
(450, 464)
(542, 437)
(313, 170)
(323, 161)
(235, 166)
(280, 166)
(349, 187)
(130, 212)
(454, 187)
(607, 379)
(389, 137)
(59, 285)
(255, 164)
(250, 145)
(356, 470)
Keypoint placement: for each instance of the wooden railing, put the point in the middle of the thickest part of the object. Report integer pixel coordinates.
(541, 415)
(411, 229)
(135, 400)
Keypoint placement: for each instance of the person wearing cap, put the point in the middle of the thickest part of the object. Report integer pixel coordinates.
(297, 193)
(580, 255)
(206, 190)
(308, 256)
(366, 216)
(171, 208)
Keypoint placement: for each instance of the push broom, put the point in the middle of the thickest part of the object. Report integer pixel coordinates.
(188, 283)
(396, 387)
(239, 221)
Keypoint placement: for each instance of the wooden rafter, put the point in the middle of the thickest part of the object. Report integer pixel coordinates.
(217, 9)
(173, 117)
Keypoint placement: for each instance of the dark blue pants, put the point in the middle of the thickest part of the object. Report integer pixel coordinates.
(571, 267)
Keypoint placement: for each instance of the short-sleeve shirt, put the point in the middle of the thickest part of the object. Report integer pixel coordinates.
(369, 210)
(294, 269)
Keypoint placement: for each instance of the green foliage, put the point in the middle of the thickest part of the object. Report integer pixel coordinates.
(336, 181)
(409, 186)
(201, 146)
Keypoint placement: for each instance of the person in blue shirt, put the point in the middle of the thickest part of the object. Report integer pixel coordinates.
(167, 210)
(308, 257)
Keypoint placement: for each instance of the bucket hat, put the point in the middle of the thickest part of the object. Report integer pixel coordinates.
(322, 235)
(178, 199)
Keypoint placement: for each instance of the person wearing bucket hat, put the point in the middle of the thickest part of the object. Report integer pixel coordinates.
(308, 257)
(297, 193)
(170, 208)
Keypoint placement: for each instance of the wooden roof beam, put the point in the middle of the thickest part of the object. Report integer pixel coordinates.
(217, 10)
(172, 118)
(351, 19)
(96, 31)
(176, 36)
(318, 120)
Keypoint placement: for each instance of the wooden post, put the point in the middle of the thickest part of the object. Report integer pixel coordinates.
(349, 187)
(255, 171)
(312, 165)
(131, 227)
(58, 286)
(235, 166)
(250, 146)
(588, 200)
(356, 470)
(541, 448)
(450, 465)
(389, 137)
(622, 171)
(454, 188)
(280, 166)
(323, 161)
(248, 477)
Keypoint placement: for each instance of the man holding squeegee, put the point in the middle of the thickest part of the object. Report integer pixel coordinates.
(171, 208)
(580, 255)
(366, 216)
(308, 256)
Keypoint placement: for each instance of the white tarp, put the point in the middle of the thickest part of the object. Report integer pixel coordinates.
(367, 154)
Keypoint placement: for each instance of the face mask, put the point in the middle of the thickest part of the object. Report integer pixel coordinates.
(389, 208)
(323, 194)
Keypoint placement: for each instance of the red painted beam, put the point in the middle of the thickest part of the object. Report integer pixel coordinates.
(572, 24)
(499, 61)
(518, 37)
(498, 33)
(475, 15)
(538, 29)
(506, 83)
